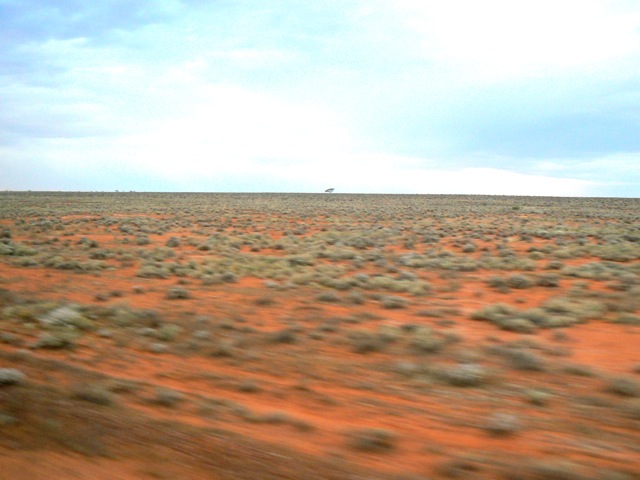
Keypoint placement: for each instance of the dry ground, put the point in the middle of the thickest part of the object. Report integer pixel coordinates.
(318, 336)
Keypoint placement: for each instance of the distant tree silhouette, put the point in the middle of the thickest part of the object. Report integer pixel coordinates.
(329, 190)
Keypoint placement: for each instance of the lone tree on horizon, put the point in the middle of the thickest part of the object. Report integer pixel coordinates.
(329, 190)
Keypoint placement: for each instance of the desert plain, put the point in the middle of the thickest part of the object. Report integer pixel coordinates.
(318, 336)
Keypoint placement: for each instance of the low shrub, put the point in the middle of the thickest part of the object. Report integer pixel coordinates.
(178, 293)
(519, 281)
(520, 359)
(578, 370)
(423, 340)
(364, 341)
(548, 280)
(286, 335)
(464, 375)
(11, 376)
(537, 397)
(157, 347)
(167, 397)
(627, 319)
(56, 340)
(518, 324)
(628, 387)
(501, 424)
(229, 277)
(249, 386)
(94, 393)
(152, 271)
(372, 439)
(168, 332)
(329, 297)
(393, 302)
(173, 242)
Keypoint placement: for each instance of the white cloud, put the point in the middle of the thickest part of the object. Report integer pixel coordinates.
(342, 98)
(484, 181)
(227, 125)
(502, 39)
(622, 166)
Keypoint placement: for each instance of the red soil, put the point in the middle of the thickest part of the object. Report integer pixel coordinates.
(306, 398)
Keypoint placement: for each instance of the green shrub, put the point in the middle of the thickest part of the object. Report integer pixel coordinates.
(578, 370)
(464, 375)
(518, 324)
(152, 271)
(495, 313)
(356, 298)
(393, 302)
(143, 240)
(562, 470)
(56, 340)
(501, 424)
(389, 333)
(469, 248)
(548, 280)
(224, 349)
(229, 277)
(538, 316)
(555, 265)
(579, 309)
(173, 242)
(10, 339)
(100, 255)
(619, 252)
(286, 335)
(628, 387)
(329, 297)
(65, 316)
(519, 281)
(264, 301)
(11, 376)
(520, 359)
(364, 341)
(301, 260)
(627, 319)
(423, 340)
(372, 439)
(94, 393)
(498, 282)
(167, 397)
(168, 332)
(537, 397)
(176, 293)
(249, 386)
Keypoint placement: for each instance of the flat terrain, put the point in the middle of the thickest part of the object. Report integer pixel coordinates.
(275, 336)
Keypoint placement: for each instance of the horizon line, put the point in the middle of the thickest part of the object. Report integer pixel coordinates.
(334, 193)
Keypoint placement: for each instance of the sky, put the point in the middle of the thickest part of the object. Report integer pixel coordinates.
(364, 96)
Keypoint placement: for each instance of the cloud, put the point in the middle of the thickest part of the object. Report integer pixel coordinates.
(183, 169)
(400, 96)
(41, 20)
(499, 39)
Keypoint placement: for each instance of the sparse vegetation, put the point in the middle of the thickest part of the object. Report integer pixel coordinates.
(11, 376)
(501, 424)
(94, 393)
(464, 375)
(372, 439)
(286, 316)
(629, 387)
(167, 397)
